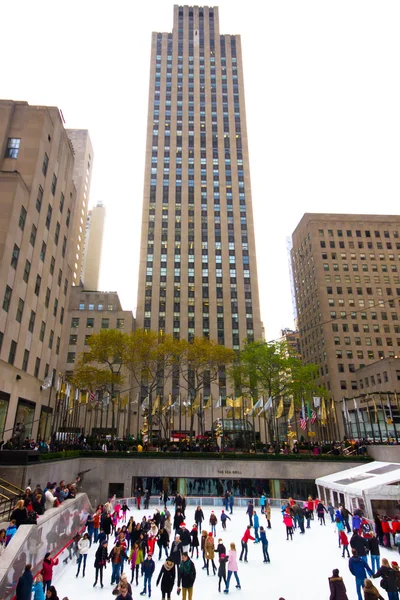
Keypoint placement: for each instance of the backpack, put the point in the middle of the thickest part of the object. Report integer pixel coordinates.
(32, 517)
(366, 528)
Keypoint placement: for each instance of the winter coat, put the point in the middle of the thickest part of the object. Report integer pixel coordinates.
(321, 509)
(231, 500)
(20, 515)
(186, 574)
(222, 567)
(232, 561)
(209, 548)
(107, 524)
(83, 546)
(47, 569)
(224, 517)
(220, 550)
(268, 512)
(359, 568)
(213, 519)
(178, 519)
(49, 500)
(100, 557)
(167, 578)
(195, 538)
(185, 536)
(287, 519)
(373, 545)
(263, 538)
(247, 536)
(38, 591)
(148, 566)
(356, 522)
(359, 544)
(378, 526)
(256, 522)
(338, 589)
(250, 510)
(389, 575)
(176, 552)
(198, 516)
(344, 540)
(163, 538)
(24, 586)
(371, 596)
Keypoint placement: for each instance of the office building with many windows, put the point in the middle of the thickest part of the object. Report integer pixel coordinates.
(198, 271)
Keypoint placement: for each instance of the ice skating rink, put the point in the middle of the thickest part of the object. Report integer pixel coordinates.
(299, 569)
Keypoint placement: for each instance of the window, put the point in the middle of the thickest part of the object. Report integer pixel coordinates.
(65, 286)
(82, 306)
(55, 308)
(32, 239)
(87, 339)
(31, 324)
(14, 257)
(89, 323)
(105, 323)
(54, 184)
(57, 233)
(58, 346)
(22, 218)
(39, 199)
(73, 339)
(12, 353)
(25, 361)
(20, 310)
(47, 298)
(27, 270)
(12, 147)
(62, 199)
(42, 331)
(64, 246)
(45, 164)
(38, 284)
(75, 322)
(48, 216)
(37, 367)
(52, 265)
(91, 306)
(71, 357)
(51, 339)
(7, 298)
(43, 251)
(120, 323)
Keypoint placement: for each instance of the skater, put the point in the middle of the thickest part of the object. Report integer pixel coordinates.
(47, 570)
(116, 556)
(373, 546)
(226, 500)
(96, 525)
(163, 542)
(360, 544)
(100, 562)
(209, 552)
(231, 502)
(148, 566)
(146, 499)
(24, 586)
(359, 568)
(232, 568)
(184, 535)
(331, 511)
(223, 559)
(370, 591)
(356, 523)
(223, 519)
(344, 541)
(389, 579)
(138, 495)
(176, 550)
(345, 514)
(337, 587)
(194, 544)
(250, 511)
(288, 521)
(136, 559)
(124, 592)
(124, 508)
(320, 512)
(263, 500)
(264, 542)
(213, 523)
(90, 528)
(256, 527)
(246, 537)
(83, 547)
(203, 547)
(198, 517)
(268, 514)
(186, 577)
(167, 578)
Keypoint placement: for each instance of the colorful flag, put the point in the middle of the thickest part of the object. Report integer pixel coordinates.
(291, 410)
(92, 396)
(303, 421)
(333, 410)
(279, 410)
(234, 403)
(390, 418)
(313, 417)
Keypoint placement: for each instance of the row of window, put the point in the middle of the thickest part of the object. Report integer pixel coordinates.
(358, 233)
(105, 323)
(25, 359)
(91, 306)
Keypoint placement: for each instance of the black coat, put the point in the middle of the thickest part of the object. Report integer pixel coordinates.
(167, 578)
(107, 525)
(176, 552)
(389, 575)
(24, 586)
(360, 544)
(338, 589)
(194, 534)
(198, 516)
(20, 515)
(178, 519)
(222, 567)
(184, 535)
(163, 538)
(186, 580)
(373, 545)
(101, 557)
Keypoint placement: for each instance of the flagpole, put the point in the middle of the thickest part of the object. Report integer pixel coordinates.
(180, 423)
(397, 405)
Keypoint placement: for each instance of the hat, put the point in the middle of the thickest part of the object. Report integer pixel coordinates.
(183, 524)
(394, 564)
(28, 488)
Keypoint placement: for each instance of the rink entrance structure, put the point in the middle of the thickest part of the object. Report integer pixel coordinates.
(373, 487)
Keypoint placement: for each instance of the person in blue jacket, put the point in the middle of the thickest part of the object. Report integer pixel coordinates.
(37, 589)
(148, 566)
(24, 585)
(256, 527)
(359, 568)
(264, 542)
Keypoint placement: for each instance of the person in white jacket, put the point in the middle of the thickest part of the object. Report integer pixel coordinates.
(83, 549)
(49, 499)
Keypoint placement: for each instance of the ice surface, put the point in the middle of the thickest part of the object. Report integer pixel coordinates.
(299, 569)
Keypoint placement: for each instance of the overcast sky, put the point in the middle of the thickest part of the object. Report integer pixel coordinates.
(323, 109)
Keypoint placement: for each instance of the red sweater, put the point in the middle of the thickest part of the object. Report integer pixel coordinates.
(247, 536)
(343, 538)
(47, 570)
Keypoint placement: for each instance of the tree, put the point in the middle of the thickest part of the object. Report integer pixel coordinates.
(200, 363)
(101, 368)
(151, 358)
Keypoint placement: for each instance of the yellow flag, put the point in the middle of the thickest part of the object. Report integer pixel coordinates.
(333, 410)
(323, 412)
(84, 398)
(196, 402)
(279, 410)
(208, 403)
(237, 403)
(63, 388)
(291, 410)
(156, 405)
(124, 402)
(375, 411)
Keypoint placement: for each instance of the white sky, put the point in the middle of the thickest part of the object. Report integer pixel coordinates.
(323, 111)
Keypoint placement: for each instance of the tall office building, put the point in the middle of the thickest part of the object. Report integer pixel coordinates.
(346, 271)
(37, 202)
(83, 166)
(91, 260)
(198, 271)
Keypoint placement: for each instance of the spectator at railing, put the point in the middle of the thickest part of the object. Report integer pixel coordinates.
(19, 514)
(49, 497)
(2, 541)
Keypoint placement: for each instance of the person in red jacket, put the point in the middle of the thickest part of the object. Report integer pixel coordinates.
(287, 519)
(387, 530)
(246, 537)
(47, 570)
(344, 540)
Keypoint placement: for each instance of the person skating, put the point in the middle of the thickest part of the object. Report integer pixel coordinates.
(203, 538)
(268, 514)
(47, 570)
(198, 517)
(264, 542)
(148, 566)
(220, 548)
(344, 542)
(245, 539)
(337, 587)
(360, 544)
(135, 559)
(359, 568)
(124, 593)
(117, 556)
(331, 511)
(176, 550)
(263, 500)
(389, 579)
(223, 559)
(213, 523)
(124, 509)
(209, 552)
(232, 567)
(194, 543)
(308, 516)
(186, 577)
(37, 589)
(231, 503)
(162, 542)
(223, 519)
(24, 586)
(167, 578)
(373, 546)
(256, 527)
(184, 535)
(345, 514)
(288, 521)
(100, 562)
(83, 548)
(250, 511)
(321, 510)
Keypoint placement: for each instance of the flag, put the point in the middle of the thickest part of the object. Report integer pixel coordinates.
(156, 405)
(47, 382)
(333, 410)
(345, 411)
(303, 416)
(84, 397)
(359, 415)
(313, 417)
(208, 403)
(124, 402)
(67, 390)
(390, 418)
(291, 410)
(58, 385)
(375, 411)
(145, 403)
(279, 410)
(92, 396)
(76, 394)
(309, 415)
(234, 403)
(259, 403)
(316, 401)
(323, 413)
(219, 402)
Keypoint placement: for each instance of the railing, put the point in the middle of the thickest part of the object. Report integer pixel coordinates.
(239, 501)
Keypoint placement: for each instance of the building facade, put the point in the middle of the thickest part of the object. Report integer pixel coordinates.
(37, 203)
(83, 166)
(93, 246)
(346, 271)
(198, 271)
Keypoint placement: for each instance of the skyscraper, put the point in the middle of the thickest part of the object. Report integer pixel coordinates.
(198, 271)
(91, 259)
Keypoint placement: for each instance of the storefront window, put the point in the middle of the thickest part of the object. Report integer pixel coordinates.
(4, 401)
(25, 414)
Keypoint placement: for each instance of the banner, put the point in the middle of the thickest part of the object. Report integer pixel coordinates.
(323, 413)
(333, 410)
(279, 410)
(156, 405)
(291, 410)
(317, 401)
(237, 403)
